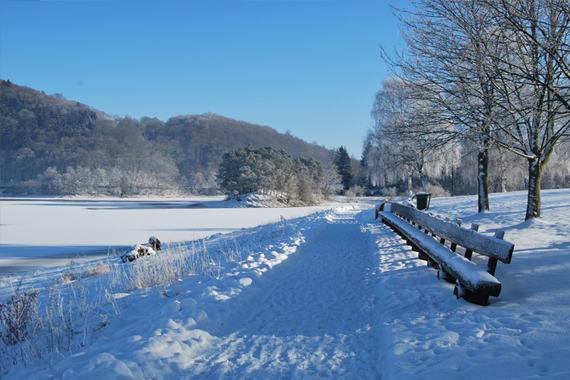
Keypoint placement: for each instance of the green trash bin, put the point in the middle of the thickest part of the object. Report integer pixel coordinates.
(423, 200)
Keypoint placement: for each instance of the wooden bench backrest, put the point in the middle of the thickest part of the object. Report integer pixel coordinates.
(485, 245)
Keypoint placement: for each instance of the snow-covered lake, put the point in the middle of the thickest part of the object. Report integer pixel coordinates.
(40, 232)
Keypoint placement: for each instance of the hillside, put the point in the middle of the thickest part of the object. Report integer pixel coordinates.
(78, 143)
(196, 143)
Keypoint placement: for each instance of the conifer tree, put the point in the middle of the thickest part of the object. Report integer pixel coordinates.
(342, 162)
(270, 171)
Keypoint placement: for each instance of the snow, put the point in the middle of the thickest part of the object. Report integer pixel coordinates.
(473, 276)
(54, 231)
(333, 294)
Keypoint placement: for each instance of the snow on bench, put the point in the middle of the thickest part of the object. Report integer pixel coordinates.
(437, 241)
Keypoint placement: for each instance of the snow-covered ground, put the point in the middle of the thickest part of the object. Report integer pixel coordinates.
(40, 232)
(335, 294)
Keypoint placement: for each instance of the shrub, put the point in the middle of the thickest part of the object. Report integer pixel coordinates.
(437, 191)
(390, 193)
(355, 191)
(18, 317)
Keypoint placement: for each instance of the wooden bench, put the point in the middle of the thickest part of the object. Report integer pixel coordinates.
(449, 247)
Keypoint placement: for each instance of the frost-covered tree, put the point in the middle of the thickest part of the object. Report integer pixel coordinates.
(533, 77)
(404, 130)
(330, 178)
(443, 59)
(270, 171)
(40, 132)
(500, 69)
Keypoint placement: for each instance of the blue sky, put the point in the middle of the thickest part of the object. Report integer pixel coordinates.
(308, 67)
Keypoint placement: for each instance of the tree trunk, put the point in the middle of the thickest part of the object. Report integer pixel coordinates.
(453, 180)
(422, 179)
(533, 200)
(410, 190)
(504, 168)
(482, 179)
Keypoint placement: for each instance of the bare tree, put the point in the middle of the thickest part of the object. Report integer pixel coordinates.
(533, 78)
(405, 128)
(444, 58)
(500, 71)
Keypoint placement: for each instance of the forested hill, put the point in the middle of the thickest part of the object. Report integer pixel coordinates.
(40, 131)
(197, 142)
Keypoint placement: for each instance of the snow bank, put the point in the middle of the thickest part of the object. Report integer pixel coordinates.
(257, 200)
(524, 333)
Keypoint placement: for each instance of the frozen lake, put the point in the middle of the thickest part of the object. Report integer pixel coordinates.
(44, 232)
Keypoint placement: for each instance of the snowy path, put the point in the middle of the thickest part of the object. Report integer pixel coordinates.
(337, 295)
(316, 317)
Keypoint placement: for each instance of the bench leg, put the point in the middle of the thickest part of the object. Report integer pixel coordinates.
(432, 263)
(442, 274)
(461, 292)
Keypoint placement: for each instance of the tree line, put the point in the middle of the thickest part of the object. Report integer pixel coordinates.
(50, 145)
(476, 77)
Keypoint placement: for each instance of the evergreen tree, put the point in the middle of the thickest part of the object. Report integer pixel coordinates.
(269, 170)
(342, 162)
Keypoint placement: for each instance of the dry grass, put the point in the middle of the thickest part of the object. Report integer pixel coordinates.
(69, 315)
(68, 276)
(95, 270)
(98, 269)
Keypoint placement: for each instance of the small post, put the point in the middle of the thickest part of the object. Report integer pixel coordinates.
(432, 263)
(442, 274)
(468, 251)
(459, 290)
(453, 246)
(492, 263)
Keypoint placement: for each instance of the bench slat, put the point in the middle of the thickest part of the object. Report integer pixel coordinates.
(484, 245)
(473, 277)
